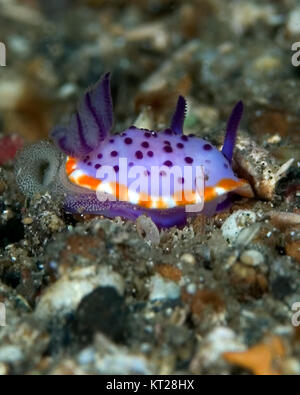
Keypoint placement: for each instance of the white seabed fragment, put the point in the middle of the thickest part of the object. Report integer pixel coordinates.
(283, 169)
(10, 354)
(86, 356)
(235, 223)
(163, 289)
(293, 22)
(66, 294)
(247, 234)
(252, 257)
(122, 363)
(218, 341)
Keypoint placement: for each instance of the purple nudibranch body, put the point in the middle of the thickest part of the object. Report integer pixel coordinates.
(91, 150)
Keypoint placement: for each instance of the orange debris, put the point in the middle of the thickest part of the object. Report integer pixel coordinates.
(168, 271)
(262, 359)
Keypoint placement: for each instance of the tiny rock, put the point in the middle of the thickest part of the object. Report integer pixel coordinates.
(235, 223)
(252, 257)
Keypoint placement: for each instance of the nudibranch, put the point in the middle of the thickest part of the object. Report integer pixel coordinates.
(93, 171)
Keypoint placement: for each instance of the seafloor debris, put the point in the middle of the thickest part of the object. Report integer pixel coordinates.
(256, 165)
(264, 358)
(236, 222)
(216, 342)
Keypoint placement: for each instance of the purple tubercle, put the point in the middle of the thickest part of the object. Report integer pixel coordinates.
(91, 123)
(179, 115)
(231, 131)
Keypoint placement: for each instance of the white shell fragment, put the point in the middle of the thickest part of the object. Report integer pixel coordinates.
(160, 288)
(293, 22)
(234, 224)
(219, 340)
(66, 294)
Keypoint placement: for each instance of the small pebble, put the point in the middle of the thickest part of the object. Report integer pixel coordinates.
(252, 257)
(86, 356)
(191, 288)
(188, 258)
(27, 221)
(235, 223)
(163, 289)
(293, 23)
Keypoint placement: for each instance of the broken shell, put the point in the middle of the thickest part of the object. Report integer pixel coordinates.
(65, 295)
(255, 164)
(236, 223)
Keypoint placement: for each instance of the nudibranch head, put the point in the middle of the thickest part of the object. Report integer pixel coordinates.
(139, 171)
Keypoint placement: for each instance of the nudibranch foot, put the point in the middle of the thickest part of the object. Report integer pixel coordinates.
(89, 204)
